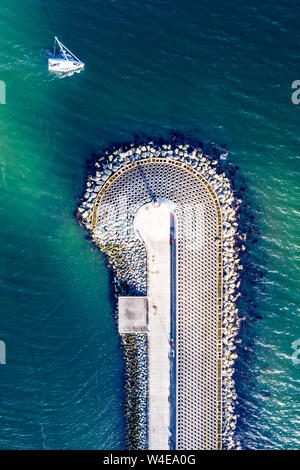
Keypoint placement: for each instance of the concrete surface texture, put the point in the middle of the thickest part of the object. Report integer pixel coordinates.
(152, 223)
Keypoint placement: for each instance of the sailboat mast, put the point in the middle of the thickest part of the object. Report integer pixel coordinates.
(61, 48)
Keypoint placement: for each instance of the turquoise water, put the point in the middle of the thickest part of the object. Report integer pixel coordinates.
(214, 72)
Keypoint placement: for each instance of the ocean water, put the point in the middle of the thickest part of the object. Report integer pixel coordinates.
(215, 71)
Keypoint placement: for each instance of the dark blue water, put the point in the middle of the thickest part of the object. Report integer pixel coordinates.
(213, 71)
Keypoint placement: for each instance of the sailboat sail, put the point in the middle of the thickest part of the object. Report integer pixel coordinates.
(65, 61)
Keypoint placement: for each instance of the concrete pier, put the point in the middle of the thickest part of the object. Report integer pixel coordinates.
(198, 405)
(179, 320)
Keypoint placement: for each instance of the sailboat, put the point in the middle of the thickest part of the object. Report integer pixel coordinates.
(64, 61)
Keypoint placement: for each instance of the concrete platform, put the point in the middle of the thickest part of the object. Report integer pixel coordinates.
(133, 315)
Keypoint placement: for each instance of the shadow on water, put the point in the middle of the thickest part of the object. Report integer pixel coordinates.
(254, 261)
(165, 136)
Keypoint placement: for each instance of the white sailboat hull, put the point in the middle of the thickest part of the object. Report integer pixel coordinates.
(64, 66)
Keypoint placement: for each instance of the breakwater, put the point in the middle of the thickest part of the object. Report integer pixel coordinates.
(111, 227)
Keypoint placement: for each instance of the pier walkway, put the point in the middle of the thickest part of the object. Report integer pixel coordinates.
(153, 225)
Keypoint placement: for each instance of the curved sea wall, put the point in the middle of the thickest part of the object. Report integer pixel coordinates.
(126, 255)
